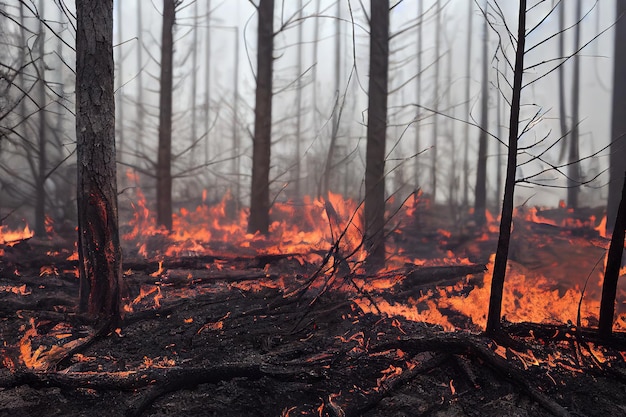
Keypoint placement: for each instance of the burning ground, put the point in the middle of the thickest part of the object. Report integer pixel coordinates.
(219, 322)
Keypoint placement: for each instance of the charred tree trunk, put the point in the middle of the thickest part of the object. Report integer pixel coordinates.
(207, 86)
(466, 140)
(573, 169)
(330, 156)
(194, 86)
(376, 134)
(502, 251)
(297, 162)
(260, 193)
(561, 73)
(617, 159)
(40, 191)
(164, 158)
(433, 160)
(613, 265)
(480, 202)
(140, 109)
(418, 97)
(100, 256)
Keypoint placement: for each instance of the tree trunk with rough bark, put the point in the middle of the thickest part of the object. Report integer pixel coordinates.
(259, 218)
(376, 134)
(100, 256)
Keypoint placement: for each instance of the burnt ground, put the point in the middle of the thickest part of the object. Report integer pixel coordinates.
(231, 336)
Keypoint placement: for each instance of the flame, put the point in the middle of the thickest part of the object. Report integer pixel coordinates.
(11, 237)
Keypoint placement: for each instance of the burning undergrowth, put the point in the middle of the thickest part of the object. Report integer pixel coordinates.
(292, 324)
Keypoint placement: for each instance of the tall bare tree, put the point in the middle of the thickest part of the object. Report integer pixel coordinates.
(376, 133)
(573, 169)
(468, 80)
(100, 256)
(41, 175)
(617, 159)
(259, 218)
(435, 131)
(330, 156)
(164, 157)
(480, 202)
(502, 252)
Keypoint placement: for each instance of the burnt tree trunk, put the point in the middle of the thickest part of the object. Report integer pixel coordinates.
(480, 202)
(504, 238)
(42, 143)
(376, 134)
(617, 159)
(573, 169)
(259, 218)
(468, 80)
(164, 157)
(100, 256)
(337, 110)
(613, 265)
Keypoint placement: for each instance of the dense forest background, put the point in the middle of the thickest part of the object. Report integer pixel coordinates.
(448, 81)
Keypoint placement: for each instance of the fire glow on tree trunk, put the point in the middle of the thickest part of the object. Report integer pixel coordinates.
(100, 257)
(504, 238)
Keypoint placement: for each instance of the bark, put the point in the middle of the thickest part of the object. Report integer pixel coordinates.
(504, 238)
(612, 271)
(480, 202)
(617, 159)
(259, 218)
(100, 256)
(573, 169)
(376, 134)
(164, 160)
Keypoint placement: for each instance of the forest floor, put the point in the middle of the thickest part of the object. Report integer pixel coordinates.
(232, 335)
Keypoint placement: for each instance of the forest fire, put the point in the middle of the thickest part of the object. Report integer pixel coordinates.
(433, 278)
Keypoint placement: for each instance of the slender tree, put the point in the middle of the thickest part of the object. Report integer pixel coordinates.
(259, 218)
(164, 157)
(613, 265)
(42, 145)
(617, 158)
(100, 256)
(468, 80)
(480, 202)
(502, 251)
(573, 168)
(376, 134)
(330, 156)
(435, 132)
